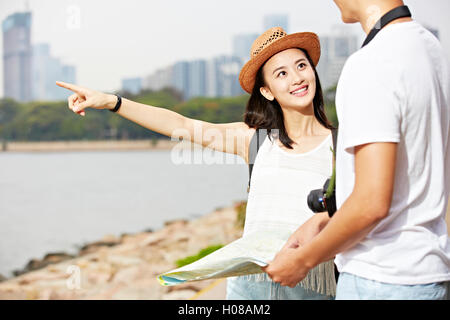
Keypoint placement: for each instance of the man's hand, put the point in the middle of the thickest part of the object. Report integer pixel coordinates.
(307, 231)
(286, 268)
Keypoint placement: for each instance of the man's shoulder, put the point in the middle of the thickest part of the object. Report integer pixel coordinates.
(366, 63)
(387, 53)
(391, 58)
(399, 43)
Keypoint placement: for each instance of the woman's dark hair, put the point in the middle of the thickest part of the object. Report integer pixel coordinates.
(261, 113)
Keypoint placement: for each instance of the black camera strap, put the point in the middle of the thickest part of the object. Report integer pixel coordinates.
(394, 14)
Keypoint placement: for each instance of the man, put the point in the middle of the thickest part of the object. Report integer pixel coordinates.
(389, 234)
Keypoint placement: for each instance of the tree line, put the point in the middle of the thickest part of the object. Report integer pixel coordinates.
(53, 121)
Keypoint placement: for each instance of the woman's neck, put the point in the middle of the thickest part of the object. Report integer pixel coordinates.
(299, 125)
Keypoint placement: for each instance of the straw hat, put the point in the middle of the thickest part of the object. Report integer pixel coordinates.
(270, 43)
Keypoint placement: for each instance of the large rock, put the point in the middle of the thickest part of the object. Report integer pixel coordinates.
(108, 241)
(50, 258)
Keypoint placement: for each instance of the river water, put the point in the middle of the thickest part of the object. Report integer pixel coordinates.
(58, 201)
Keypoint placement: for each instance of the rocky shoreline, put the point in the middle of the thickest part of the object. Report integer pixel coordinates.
(125, 267)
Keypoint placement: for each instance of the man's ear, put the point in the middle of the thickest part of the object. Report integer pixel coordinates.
(266, 93)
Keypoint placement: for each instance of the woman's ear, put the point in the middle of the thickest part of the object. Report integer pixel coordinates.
(266, 93)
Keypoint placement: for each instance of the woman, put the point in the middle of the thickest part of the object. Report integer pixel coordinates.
(286, 98)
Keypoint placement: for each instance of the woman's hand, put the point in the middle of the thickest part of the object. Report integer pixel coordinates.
(86, 98)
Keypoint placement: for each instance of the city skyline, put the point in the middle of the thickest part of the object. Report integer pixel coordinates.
(134, 39)
(218, 76)
(213, 77)
(30, 71)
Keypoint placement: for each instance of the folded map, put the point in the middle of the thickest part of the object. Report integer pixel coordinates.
(241, 257)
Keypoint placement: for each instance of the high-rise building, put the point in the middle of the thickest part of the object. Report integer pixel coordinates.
(212, 74)
(160, 79)
(41, 57)
(216, 77)
(197, 79)
(242, 44)
(69, 74)
(132, 85)
(17, 55)
(335, 48)
(181, 77)
(45, 71)
(276, 20)
(223, 76)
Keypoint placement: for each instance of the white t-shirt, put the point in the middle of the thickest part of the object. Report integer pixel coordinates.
(397, 89)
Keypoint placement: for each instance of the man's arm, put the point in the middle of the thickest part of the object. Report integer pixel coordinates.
(368, 204)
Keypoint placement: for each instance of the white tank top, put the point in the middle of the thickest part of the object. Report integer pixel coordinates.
(280, 185)
(281, 182)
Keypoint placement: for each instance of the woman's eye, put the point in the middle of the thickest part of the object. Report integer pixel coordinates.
(282, 73)
(301, 65)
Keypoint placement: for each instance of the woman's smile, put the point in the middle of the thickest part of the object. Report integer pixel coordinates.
(301, 91)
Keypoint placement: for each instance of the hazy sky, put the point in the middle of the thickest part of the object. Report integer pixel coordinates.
(110, 39)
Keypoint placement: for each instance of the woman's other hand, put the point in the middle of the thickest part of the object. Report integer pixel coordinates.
(86, 98)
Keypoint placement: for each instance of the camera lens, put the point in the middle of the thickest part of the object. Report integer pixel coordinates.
(315, 201)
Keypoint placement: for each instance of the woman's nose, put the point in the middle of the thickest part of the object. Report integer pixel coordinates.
(297, 78)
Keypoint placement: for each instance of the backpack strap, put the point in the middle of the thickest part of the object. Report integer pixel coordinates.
(256, 142)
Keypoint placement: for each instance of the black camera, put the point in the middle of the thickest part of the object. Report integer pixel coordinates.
(324, 199)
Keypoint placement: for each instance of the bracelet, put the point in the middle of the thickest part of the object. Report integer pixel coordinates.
(118, 104)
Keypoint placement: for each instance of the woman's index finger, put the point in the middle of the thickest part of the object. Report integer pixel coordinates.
(70, 86)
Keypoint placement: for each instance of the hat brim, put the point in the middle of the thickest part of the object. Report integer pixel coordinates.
(304, 40)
